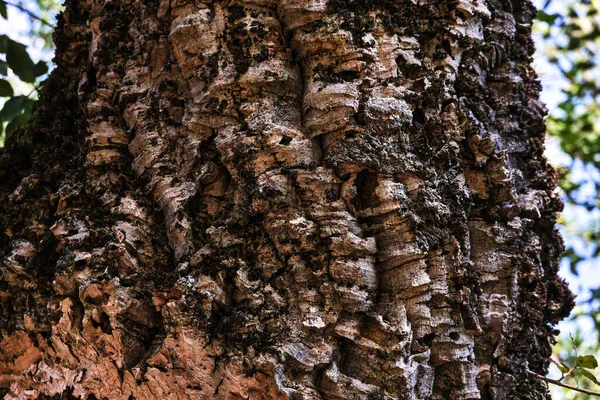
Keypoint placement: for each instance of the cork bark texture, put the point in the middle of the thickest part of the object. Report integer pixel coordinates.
(282, 199)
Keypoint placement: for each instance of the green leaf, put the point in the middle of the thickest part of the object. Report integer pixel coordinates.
(3, 68)
(562, 368)
(13, 107)
(586, 362)
(18, 121)
(547, 18)
(3, 12)
(5, 89)
(39, 69)
(28, 109)
(589, 375)
(18, 60)
(3, 40)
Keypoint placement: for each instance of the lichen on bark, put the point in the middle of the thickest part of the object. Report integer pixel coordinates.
(301, 199)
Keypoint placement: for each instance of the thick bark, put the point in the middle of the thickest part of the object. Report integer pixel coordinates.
(302, 199)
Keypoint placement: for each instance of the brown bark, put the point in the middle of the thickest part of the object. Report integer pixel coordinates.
(274, 199)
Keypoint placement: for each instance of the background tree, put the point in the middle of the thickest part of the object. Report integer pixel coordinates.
(271, 199)
(571, 43)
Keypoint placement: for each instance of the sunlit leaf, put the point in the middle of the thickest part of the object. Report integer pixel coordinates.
(588, 375)
(588, 361)
(562, 368)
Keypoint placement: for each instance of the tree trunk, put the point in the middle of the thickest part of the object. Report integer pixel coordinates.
(282, 199)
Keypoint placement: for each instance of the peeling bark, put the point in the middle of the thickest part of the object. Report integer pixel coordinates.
(282, 199)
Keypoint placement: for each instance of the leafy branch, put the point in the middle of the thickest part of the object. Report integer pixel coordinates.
(561, 384)
(582, 366)
(31, 14)
(17, 109)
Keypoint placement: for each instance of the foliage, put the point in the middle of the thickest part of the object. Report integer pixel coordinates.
(575, 370)
(19, 74)
(571, 43)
